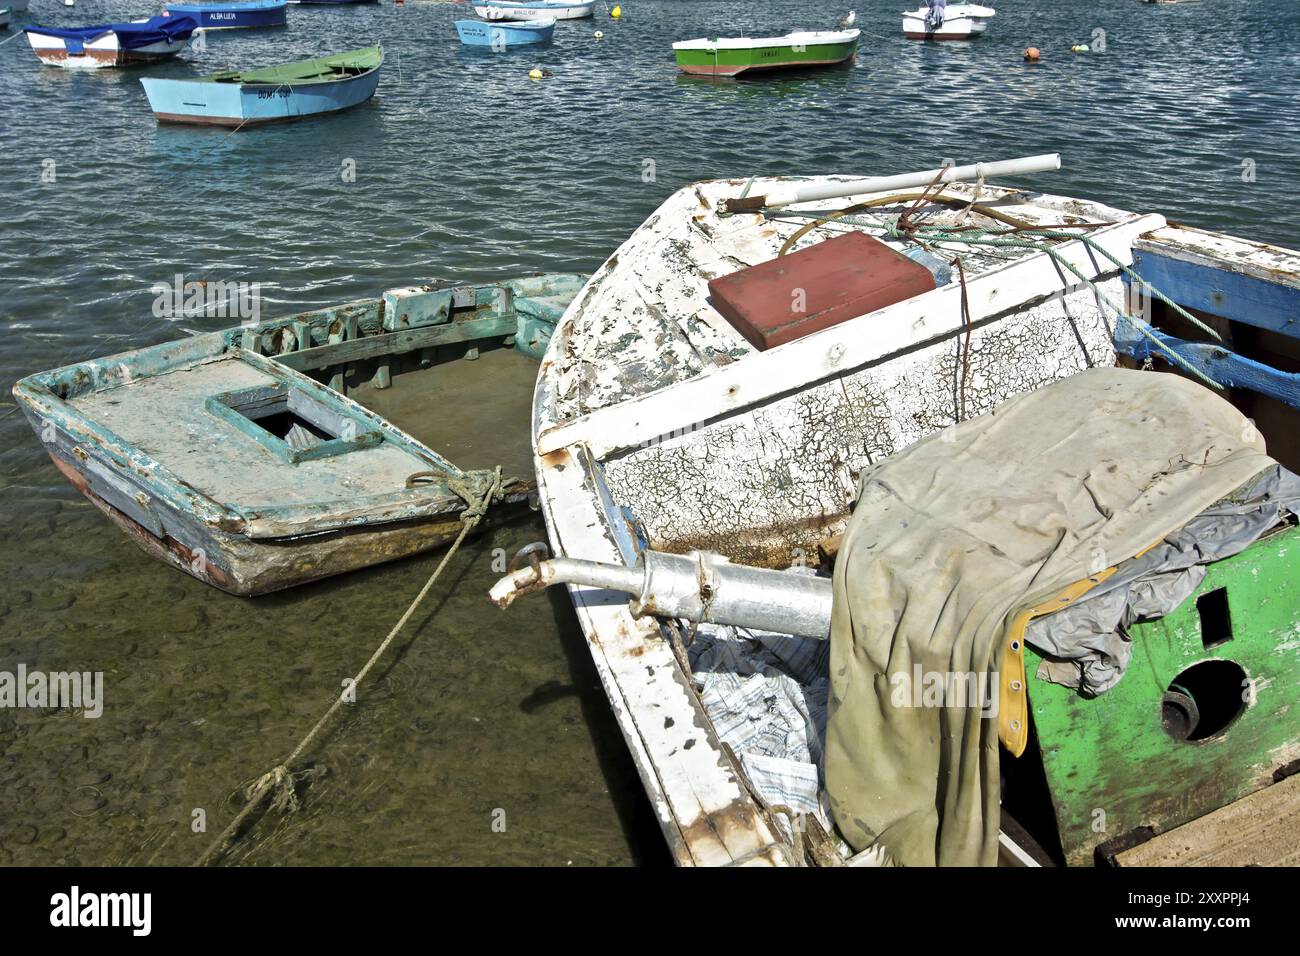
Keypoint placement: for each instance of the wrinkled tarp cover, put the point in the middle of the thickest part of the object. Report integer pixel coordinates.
(956, 535)
(1087, 647)
(130, 36)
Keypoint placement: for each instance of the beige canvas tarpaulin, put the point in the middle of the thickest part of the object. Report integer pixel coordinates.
(954, 544)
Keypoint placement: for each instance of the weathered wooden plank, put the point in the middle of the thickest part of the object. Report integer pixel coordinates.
(1261, 298)
(707, 816)
(1262, 829)
(392, 343)
(761, 377)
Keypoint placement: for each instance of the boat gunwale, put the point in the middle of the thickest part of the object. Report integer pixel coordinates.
(825, 38)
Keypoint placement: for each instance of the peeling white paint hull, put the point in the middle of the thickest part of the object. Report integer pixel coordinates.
(650, 404)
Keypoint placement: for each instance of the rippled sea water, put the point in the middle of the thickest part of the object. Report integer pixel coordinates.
(467, 169)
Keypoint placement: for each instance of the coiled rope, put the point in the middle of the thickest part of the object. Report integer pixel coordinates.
(479, 490)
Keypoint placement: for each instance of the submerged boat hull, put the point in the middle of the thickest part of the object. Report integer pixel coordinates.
(168, 443)
(734, 57)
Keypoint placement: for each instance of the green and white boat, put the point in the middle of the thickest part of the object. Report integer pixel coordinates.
(732, 56)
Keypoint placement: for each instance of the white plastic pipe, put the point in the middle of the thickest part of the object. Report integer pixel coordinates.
(795, 192)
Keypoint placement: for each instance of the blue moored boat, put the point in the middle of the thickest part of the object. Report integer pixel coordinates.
(274, 94)
(500, 35)
(232, 16)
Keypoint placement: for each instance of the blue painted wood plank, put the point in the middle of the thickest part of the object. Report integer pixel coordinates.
(1222, 365)
(1223, 292)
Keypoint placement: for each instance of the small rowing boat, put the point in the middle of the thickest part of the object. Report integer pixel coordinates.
(273, 94)
(232, 16)
(940, 21)
(500, 35)
(712, 399)
(249, 459)
(537, 10)
(111, 44)
(732, 56)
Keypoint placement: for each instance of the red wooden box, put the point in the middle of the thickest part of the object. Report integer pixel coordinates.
(834, 281)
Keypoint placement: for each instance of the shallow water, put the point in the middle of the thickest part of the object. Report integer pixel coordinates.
(466, 169)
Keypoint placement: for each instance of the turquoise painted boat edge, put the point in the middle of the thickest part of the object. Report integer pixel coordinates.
(172, 520)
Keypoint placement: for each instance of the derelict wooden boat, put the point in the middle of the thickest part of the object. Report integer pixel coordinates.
(238, 458)
(958, 21)
(534, 10)
(661, 427)
(505, 33)
(111, 44)
(732, 56)
(273, 94)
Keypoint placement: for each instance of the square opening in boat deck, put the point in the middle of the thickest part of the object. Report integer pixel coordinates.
(294, 425)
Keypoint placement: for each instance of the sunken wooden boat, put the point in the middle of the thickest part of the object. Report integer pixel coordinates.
(273, 94)
(663, 426)
(238, 456)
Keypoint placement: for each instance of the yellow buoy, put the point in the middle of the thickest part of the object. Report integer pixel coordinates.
(616, 12)
(535, 74)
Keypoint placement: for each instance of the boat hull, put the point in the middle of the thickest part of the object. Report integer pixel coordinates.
(519, 11)
(101, 53)
(240, 105)
(642, 442)
(232, 16)
(726, 58)
(962, 22)
(247, 568)
(306, 529)
(497, 36)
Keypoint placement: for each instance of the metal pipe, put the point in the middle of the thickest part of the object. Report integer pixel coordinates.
(795, 193)
(702, 587)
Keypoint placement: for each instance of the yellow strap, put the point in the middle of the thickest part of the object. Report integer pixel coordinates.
(1013, 701)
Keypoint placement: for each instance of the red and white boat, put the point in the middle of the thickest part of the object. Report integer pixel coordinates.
(112, 44)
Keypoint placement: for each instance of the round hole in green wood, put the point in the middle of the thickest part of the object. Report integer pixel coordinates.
(1203, 700)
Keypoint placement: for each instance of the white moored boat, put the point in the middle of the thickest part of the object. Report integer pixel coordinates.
(537, 10)
(112, 44)
(941, 21)
(664, 434)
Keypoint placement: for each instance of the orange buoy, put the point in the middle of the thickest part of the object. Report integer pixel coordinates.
(1031, 54)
